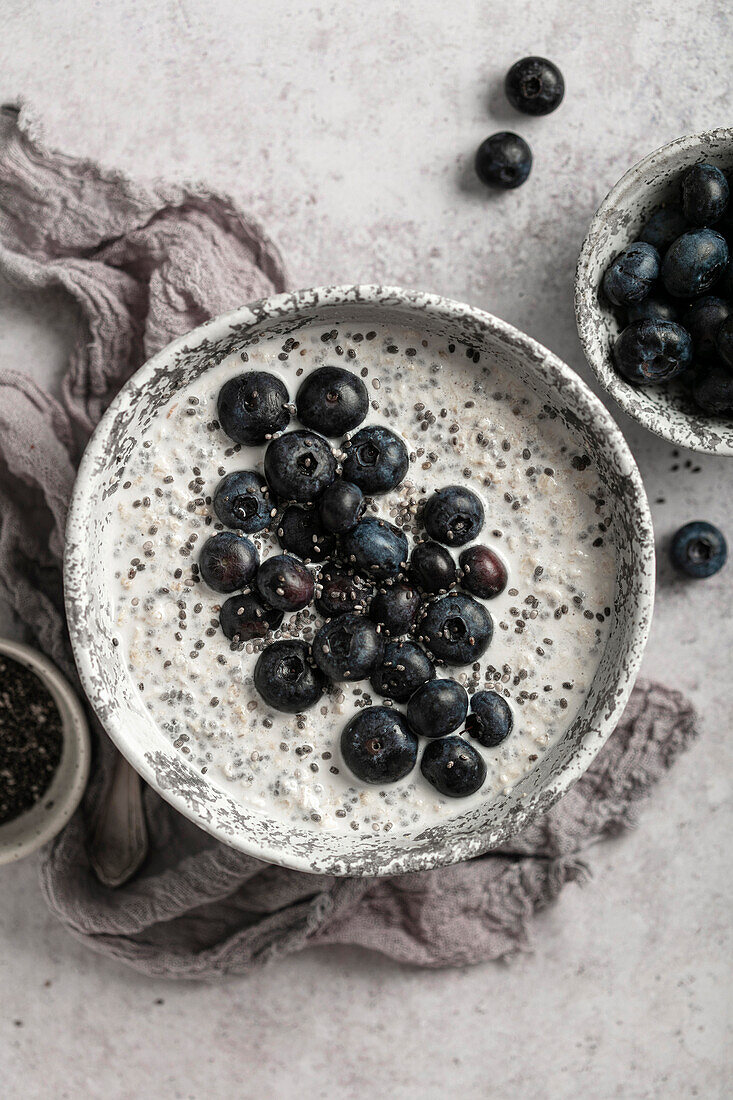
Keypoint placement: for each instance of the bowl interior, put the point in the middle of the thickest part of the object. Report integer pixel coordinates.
(116, 699)
(666, 410)
(26, 833)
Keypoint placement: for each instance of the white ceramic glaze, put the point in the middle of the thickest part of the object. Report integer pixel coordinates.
(104, 671)
(42, 822)
(665, 410)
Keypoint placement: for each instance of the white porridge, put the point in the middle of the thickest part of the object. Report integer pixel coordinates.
(463, 420)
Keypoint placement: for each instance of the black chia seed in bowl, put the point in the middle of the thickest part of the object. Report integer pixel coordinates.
(31, 739)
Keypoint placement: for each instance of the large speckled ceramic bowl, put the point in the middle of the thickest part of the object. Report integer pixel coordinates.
(665, 410)
(89, 606)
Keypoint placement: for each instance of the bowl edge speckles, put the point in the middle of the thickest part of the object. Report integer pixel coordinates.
(626, 207)
(118, 705)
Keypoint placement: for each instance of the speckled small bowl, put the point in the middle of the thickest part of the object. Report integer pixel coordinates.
(90, 611)
(24, 834)
(665, 410)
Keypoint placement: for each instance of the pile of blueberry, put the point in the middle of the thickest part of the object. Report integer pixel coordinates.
(369, 589)
(534, 86)
(674, 290)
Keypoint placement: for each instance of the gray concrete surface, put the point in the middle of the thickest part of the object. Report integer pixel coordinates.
(348, 130)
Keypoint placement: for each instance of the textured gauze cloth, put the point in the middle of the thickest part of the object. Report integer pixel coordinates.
(140, 266)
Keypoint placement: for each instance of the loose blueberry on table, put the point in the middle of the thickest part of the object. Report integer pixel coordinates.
(699, 550)
(503, 160)
(534, 86)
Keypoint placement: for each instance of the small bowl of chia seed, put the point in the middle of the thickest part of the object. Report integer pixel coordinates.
(648, 192)
(44, 751)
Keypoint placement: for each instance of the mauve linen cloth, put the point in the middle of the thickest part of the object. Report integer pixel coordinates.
(140, 266)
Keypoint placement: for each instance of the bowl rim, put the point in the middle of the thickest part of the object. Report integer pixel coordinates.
(671, 425)
(554, 370)
(43, 826)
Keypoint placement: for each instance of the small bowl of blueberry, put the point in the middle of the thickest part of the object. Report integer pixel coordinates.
(654, 292)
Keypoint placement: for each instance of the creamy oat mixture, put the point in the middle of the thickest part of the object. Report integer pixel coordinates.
(463, 419)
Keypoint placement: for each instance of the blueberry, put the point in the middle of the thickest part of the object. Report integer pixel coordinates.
(228, 561)
(437, 708)
(299, 466)
(491, 719)
(503, 160)
(630, 276)
(704, 194)
(484, 573)
(378, 746)
(342, 591)
(286, 677)
(244, 617)
(647, 352)
(300, 531)
(724, 341)
(699, 549)
(242, 500)
(348, 647)
(703, 321)
(456, 629)
(375, 548)
(285, 583)
(404, 667)
(432, 568)
(376, 459)
(332, 401)
(652, 308)
(534, 86)
(712, 390)
(395, 608)
(453, 515)
(453, 766)
(253, 406)
(341, 506)
(694, 263)
(664, 227)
